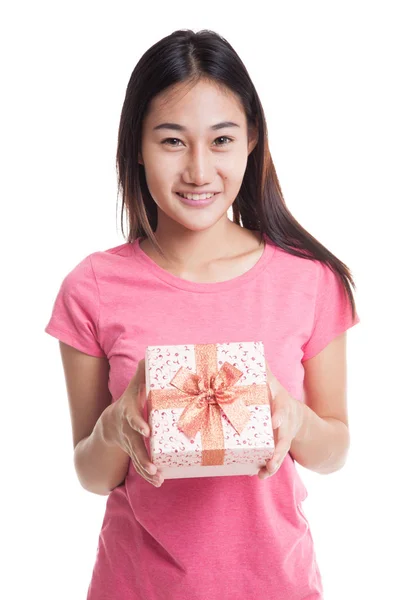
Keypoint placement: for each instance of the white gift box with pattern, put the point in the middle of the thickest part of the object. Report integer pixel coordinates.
(208, 407)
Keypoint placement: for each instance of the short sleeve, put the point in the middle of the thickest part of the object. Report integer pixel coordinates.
(332, 314)
(75, 315)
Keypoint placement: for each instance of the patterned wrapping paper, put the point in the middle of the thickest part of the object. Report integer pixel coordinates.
(208, 407)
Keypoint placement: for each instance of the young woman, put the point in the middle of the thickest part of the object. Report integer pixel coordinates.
(193, 143)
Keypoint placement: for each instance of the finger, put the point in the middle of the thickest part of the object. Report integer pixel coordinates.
(281, 450)
(156, 479)
(139, 376)
(137, 384)
(277, 418)
(133, 444)
(281, 441)
(278, 414)
(139, 449)
(142, 467)
(138, 423)
(136, 390)
(284, 440)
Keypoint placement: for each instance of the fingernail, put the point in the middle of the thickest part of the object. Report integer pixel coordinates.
(152, 470)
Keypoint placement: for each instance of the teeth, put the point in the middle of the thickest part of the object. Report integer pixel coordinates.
(196, 196)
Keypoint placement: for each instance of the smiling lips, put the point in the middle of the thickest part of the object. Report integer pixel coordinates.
(197, 200)
(198, 196)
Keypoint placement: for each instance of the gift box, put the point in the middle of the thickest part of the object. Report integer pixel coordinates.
(208, 408)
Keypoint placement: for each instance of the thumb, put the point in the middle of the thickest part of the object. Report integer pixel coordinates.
(276, 413)
(137, 391)
(277, 419)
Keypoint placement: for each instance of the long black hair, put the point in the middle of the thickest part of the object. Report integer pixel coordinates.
(187, 57)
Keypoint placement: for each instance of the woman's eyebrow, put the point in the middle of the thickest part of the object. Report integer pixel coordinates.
(177, 127)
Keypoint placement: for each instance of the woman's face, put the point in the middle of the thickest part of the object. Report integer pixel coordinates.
(192, 152)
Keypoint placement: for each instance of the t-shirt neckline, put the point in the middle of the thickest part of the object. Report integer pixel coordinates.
(203, 287)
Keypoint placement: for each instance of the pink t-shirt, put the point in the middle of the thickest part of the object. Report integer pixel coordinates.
(208, 538)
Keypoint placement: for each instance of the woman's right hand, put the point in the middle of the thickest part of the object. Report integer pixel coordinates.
(128, 426)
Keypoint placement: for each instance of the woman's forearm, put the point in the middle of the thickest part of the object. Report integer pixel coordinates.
(321, 444)
(100, 465)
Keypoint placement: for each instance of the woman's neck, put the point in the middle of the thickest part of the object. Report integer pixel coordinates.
(208, 255)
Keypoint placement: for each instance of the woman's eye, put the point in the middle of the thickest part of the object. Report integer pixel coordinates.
(222, 137)
(169, 139)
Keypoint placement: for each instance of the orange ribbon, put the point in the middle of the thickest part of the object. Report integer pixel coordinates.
(204, 395)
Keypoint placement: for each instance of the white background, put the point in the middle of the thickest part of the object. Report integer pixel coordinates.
(327, 75)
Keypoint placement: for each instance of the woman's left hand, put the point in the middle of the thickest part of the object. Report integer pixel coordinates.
(287, 416)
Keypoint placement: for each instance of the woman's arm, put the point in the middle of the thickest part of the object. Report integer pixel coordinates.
(323, 441)
(99, 465)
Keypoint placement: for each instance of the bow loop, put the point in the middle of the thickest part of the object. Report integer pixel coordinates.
(205, 394)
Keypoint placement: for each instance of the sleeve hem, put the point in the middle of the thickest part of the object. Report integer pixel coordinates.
(315, 298)
(71, 340)
(323, 343)
(98, 295)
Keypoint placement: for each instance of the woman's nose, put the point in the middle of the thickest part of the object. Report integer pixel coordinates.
(200, 167)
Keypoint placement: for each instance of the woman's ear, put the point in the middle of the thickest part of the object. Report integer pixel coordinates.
(140, 159)
(253, 139)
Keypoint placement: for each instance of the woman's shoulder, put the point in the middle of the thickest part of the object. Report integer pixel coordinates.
(294, 266)
(98, 262)
(120, 250)
(108, 256)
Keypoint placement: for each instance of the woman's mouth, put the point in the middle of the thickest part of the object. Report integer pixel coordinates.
(198, 200)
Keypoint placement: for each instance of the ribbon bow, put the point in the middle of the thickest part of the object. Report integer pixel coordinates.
(207, 396)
